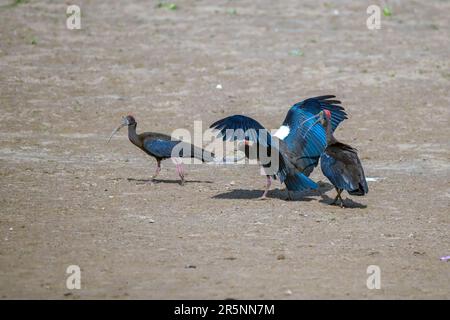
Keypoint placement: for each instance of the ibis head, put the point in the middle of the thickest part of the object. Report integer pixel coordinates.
(324, 117)
(129, 120)
(126, 121)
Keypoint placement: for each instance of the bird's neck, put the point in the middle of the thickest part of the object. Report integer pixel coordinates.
(330, 137)
(133, 136)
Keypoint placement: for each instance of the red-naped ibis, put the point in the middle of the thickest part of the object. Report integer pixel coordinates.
(161, 147)
(340, 163)
(299, 141)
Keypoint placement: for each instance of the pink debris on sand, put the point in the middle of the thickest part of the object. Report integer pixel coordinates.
(445, 258)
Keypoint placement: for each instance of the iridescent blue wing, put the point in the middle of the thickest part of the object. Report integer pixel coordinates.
(160, 148)
(306, 138)
(239, 127)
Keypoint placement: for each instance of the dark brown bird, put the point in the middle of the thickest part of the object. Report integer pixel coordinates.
(161, 146)
(340, 164)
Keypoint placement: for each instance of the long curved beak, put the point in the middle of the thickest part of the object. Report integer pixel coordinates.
(123, 124)
(319, 118)
(115, 131)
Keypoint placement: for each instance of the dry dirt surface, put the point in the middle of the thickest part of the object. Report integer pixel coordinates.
(68, 198)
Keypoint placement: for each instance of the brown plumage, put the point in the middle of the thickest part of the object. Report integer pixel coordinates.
(341, 165)
(161, 147)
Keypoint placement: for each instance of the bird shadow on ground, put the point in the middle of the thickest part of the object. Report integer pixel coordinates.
(256, 194)
(247, 194)
(174, 181)
(276, 193)
(348, 203)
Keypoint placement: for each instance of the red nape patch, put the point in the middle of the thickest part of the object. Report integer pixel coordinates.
(327, 113)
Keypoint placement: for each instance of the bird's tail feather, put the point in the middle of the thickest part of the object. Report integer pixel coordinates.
(299, 182)
(362, 189)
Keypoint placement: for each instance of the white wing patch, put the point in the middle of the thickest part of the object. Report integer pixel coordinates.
(282, 133)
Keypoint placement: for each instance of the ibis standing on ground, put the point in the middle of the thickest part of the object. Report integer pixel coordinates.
(340, 163)
(299, 141)
(258, 142)
(161, 147)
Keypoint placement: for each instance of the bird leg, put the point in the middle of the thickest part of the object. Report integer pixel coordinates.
(180, 171)
(338, 197)
(266, 190)
(342, 200)
(289, 195)
(157, 171)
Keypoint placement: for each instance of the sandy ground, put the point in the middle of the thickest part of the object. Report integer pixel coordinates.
(68, 198)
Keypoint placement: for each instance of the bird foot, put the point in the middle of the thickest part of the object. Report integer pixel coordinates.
(262, 198)
(150, 182)
(288, 198)
(153, 180)
(340, 204)
(182, 182)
